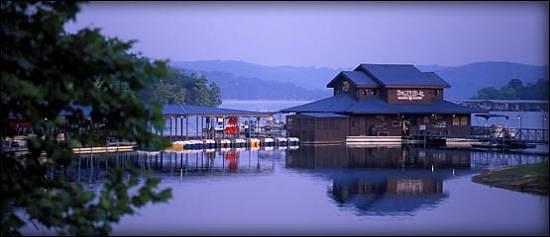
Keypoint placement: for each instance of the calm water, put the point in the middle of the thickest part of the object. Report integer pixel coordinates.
(325, 190)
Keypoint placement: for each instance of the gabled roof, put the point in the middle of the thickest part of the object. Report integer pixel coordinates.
(358, 78)
(398, 75)
(345, 103)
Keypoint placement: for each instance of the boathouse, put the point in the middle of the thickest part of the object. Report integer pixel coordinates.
(380, 100)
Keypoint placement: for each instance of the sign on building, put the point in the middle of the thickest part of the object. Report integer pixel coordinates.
(410, 95)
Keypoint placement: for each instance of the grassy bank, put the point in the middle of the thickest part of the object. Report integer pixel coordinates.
(531, 178)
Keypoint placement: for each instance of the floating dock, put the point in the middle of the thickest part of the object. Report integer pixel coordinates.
(234, 143)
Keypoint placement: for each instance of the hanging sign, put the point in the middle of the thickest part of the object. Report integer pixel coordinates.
(410, 95)
(233, 126)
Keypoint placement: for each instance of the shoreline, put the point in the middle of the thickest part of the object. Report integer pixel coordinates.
(531, 178)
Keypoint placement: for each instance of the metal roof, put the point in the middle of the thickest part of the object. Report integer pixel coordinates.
(345, 103)
(325, 115)
(504, 101)
(189, 110)
(358, 78)
(396, 75)
(193, 110)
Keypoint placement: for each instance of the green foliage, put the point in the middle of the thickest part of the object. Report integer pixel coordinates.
(515, 90)
(46, 73)
(181, 88)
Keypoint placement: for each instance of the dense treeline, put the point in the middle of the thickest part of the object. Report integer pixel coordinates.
(183, 88)
(515, 90)
(48, 77)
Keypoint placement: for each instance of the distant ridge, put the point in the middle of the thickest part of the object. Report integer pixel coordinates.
(290, 82)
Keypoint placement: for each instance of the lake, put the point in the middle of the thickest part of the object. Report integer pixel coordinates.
(325, 190)
(330, 189)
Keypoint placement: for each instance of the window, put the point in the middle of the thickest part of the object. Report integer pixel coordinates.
(464, 120)
(436, 92)
(456, 121)
(368, 91)
(440, 124)
(345, 86)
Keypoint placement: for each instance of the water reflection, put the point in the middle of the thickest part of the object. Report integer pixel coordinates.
(338, 189)
(387, 194)
(340, 156)
(392, 180)
(92, 168)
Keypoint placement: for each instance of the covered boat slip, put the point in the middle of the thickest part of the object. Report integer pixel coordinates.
(202, 127)
(381, 103)
(189, 121)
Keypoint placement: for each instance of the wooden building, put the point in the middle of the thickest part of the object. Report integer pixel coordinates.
(380, 100)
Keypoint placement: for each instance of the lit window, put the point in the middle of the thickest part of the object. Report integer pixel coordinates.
(463, 120)
(369, 91)
(456, 121)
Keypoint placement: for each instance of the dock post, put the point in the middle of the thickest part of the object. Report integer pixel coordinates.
(197, 126)
(186, 127)
(176, 127)
(202, 127)
(258, 127)
(170, 132)
(162, 129)
(181, 126)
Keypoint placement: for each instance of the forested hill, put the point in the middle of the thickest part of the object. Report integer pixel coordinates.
(289, 82)
(240, 87)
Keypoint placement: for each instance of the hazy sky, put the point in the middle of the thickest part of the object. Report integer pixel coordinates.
(328, 34)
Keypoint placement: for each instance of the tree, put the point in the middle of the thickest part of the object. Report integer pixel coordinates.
(181, 88)
(46, 73)
(167, 93)
(516, 84)
(515, 90)
(215, 94)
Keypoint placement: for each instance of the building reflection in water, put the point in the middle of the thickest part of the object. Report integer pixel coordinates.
(91, 169)
(375, 180)
(383, 180)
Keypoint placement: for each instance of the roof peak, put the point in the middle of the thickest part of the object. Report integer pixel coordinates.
(388, 64)
(401, 75)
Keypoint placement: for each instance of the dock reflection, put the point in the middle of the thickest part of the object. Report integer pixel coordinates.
(340, 156)
(92, 168)
(383, 180)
